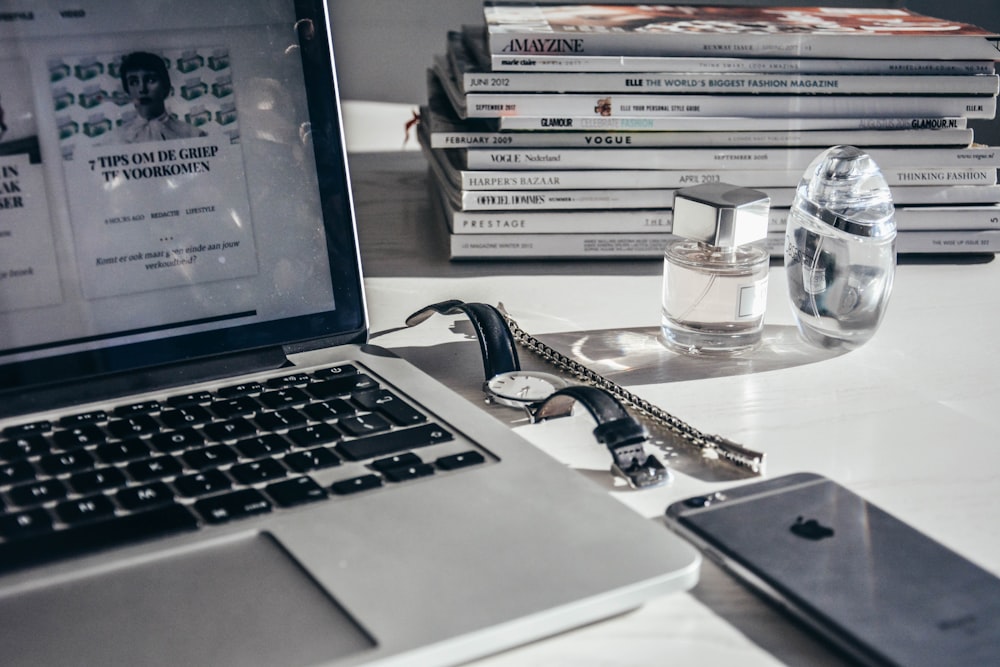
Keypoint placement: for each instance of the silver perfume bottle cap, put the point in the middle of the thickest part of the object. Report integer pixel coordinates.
(720, 214)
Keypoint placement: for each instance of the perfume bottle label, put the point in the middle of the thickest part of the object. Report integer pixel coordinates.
(752, 300)
(710, 298)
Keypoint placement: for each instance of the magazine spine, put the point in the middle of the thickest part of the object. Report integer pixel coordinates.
(818, 138)
(797, 45)
(710, 158)
(651, 246)
(498, 105)
(752, 178)
(625, 221)
(781, 197)
(729, 83)
(927, 218)
(729, 123)
(680, 64)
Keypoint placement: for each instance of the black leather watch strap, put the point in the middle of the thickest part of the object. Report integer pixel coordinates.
(599, 403)
(623, 435)
(615, 426)
(495, 339)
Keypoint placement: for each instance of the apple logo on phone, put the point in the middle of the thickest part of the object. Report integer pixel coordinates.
(810, 530)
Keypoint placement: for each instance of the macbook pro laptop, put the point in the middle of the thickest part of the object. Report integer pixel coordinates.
(202, 461)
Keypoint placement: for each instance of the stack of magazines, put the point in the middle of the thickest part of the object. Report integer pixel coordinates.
(563, 131)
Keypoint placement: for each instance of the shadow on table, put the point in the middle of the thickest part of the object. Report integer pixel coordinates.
(629, 357)
(787, 639)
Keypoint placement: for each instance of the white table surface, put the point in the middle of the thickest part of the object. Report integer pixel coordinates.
(908, 420)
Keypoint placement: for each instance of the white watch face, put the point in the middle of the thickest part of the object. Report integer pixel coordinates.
(523, 387)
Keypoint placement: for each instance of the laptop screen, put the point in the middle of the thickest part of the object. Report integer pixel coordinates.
(172, 184)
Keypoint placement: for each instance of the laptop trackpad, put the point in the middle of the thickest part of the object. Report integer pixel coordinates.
(242, 602)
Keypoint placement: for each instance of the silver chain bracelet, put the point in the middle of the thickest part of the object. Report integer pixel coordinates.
(710, 446)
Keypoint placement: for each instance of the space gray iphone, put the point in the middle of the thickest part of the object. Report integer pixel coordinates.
(884, 592)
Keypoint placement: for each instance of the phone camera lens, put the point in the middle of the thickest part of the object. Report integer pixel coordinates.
(705, 501)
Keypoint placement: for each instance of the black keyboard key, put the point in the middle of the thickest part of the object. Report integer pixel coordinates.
(145, 496)
(16, 472)
(295, 491)
(192, 398)
(363, 382)
(280, 420)
(288, 381)
(83, 418)
(80, 436)
(330, 389)
(126, 450)
(364, 425)
(383, 444)
(405, 473)
(30, 429)
(258, 471)
(235, 407)
(23, 524)
(312, 459)
(235, 505)
(389, 405)
(185, 416)
(98, 479)
(210, 457)
(22, 447)
(66, 462)
(85, 509)
(314, 434)
(157, 467)
(335, 371)
(234, 429)
(244, 389)
(405, 459)
(355, 484)
(341, 386)
(463, 460)
(203, 484)
(37, 493)
(262, 445)
(283, 398)
(143, 408)
(134, 425)
(95, 535)
(327, 411)
(175, 441)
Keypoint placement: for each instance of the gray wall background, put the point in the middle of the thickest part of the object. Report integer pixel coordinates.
(383, 47)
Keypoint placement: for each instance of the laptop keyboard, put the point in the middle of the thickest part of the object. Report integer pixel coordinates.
(143, 470)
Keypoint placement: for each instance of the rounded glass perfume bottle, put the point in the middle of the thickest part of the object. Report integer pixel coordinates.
(840, 249)
(715, 275)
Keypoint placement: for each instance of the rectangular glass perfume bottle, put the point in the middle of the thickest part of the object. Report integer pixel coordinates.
(715, 274)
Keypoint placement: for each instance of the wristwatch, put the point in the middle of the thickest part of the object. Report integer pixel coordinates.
(619, 431)
(547, 396)
(506, 383)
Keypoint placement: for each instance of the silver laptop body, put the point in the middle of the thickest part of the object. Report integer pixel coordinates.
(165, 239)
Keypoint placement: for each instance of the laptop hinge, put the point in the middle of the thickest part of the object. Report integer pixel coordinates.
(116, 385)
